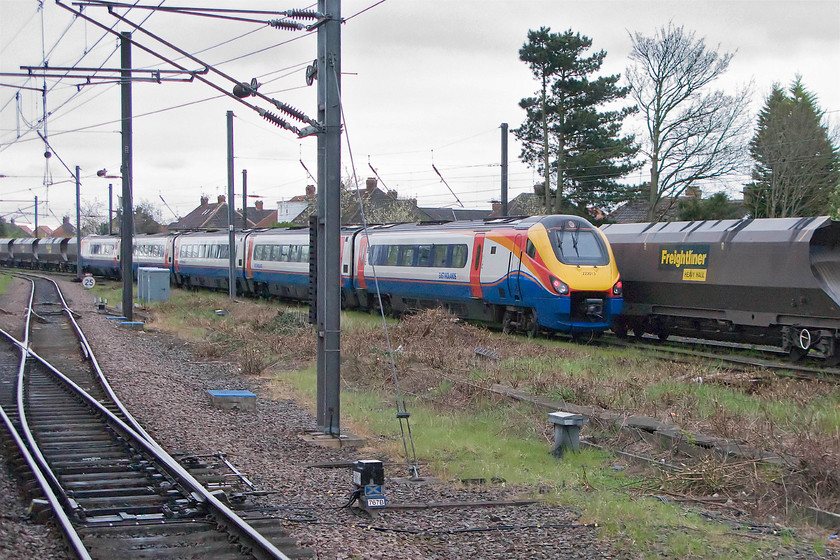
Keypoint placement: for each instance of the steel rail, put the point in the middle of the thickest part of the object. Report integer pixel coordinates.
(65, 524)
(260, 546)
(90, 356)
(24, 424)
(64, 521)
(683, 353)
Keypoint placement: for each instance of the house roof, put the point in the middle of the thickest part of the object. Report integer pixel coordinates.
(667, 210)
(374, 197)
(521, 205)
(66, 229)
(214, 215)
(636, 211)
(261, 217)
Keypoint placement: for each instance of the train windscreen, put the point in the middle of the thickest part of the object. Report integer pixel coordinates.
(577, 244)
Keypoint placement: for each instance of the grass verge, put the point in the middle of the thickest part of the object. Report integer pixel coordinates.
(463, 432)
(5, 280)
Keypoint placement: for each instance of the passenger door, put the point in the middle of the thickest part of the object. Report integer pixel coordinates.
(475, 265)
(515, 267)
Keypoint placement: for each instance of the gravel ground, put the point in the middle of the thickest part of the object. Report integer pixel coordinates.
(165, 387)
(159, 381)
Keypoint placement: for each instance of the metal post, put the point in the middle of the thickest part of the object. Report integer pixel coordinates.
(36, 217)
(244, 199)
(329, 220)
(78, 228)
(231, 234)
(110, 209)
(504, 169)
(127, 225)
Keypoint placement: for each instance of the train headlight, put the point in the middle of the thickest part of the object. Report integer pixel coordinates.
(618, 289)
(559, 286)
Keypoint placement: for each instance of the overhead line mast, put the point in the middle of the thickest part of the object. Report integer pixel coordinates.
(327, 128)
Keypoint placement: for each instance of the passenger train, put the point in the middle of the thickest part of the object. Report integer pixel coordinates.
(525, 274)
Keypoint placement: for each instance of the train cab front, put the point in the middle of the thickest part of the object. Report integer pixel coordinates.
(581, 270)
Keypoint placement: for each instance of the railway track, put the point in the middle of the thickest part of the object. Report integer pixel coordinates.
(732, 355)
(113, 491)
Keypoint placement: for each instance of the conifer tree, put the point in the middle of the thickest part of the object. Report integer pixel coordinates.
(797, 164)
(564, 135)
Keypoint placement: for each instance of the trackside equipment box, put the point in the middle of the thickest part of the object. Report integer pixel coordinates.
(152, 284)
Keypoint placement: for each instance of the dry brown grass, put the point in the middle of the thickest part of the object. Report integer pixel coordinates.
(436, 362)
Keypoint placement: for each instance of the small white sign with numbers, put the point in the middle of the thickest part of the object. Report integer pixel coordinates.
(88, 282)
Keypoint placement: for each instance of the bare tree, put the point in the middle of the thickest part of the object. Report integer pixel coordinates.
(147, 217)
(94, 217)
(694, 134)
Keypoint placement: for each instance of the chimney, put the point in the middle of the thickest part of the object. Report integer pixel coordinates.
(497, 208)
(310, 191)
(66, 222)
(205, 200)
(258, 205)
(221, 199)
(370, 184)
(693, 192)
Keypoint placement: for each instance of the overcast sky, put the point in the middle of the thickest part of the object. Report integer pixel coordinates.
(425, 82)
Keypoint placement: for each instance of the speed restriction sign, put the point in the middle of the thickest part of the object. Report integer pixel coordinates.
(88, 281)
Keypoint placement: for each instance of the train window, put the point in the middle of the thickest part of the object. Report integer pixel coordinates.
(304, 253)
(378, 254)
(202, 251)
(393, 255)
(439, 259)
(224, 252)
(578, 245)
(294, 253)
(424, 255)
(459, 256)
(275, 253)
(284, 253)
(407, 253)
(530, 249)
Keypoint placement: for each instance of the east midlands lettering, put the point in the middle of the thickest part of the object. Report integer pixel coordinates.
(678, 256)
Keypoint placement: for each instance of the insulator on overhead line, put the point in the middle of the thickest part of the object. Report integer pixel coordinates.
(274, 119)
(302, 14)
(285, 24)
(292, 112)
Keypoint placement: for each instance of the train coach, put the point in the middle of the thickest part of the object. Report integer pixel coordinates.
(544, 272)
(100, 255)
(526, 274)
(760, 281)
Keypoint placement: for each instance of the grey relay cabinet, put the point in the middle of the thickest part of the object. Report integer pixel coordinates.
(152, 284)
